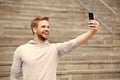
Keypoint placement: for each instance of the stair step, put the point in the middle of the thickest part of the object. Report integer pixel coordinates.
(79, 57)
(78, 77)
(89, 71)
(88, 77)
(61, 3)
(28, 9)
(68, 72)
(90, 57)
(75, 65)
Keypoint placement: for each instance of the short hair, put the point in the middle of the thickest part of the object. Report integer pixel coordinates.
(34, 22)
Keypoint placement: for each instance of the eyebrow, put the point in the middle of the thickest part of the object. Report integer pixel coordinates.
(45, 25)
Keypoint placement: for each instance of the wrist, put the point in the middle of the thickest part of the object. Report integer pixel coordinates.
(93, 31)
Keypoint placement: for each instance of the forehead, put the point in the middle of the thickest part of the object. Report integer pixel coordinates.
(43, 22)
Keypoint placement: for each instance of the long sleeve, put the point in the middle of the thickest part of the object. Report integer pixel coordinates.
(65, 47)
(16, 65)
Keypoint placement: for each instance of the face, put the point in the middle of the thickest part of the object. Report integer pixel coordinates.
(43, 30)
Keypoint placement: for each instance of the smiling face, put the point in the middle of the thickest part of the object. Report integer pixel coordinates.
(42, 30)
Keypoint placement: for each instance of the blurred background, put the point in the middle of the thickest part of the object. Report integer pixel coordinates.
(99, 59)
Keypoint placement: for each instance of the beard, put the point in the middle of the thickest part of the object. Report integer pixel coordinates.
(41, 37)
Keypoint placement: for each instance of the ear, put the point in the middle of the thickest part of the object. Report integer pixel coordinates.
(34, 29)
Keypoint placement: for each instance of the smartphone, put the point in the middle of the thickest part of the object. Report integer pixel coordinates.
(91, 16)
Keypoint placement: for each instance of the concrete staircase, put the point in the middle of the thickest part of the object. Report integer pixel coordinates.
(99, 59)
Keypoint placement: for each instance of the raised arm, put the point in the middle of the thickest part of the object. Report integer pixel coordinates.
(93, 27)
(83, 38)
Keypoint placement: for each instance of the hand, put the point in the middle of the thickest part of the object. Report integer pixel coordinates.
(93, 24)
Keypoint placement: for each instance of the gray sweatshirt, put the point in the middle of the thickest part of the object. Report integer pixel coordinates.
(39, 61)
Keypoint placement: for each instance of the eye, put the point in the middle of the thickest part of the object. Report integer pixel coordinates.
(43, 26)
(48, 26)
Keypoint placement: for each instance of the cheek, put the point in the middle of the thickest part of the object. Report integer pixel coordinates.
(40, 30)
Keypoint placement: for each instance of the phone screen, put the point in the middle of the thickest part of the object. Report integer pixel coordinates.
(91, 16)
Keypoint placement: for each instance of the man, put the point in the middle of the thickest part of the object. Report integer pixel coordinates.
(38, 58)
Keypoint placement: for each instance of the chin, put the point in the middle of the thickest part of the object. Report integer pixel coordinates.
(46, 38)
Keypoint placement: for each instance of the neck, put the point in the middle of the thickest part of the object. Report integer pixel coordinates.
(37, 40)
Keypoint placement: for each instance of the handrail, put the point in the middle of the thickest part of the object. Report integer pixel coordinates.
(79, 1)
(108, 7)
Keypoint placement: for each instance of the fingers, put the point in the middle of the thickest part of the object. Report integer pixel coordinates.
(93, 23)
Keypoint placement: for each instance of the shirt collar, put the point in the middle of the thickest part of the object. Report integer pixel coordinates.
(33, 42)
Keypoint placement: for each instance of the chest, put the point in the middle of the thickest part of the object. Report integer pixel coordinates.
(38, 54)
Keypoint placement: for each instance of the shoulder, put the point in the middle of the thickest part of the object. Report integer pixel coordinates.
(20, 48)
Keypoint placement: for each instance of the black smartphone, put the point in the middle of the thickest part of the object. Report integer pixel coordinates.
(91, 16)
